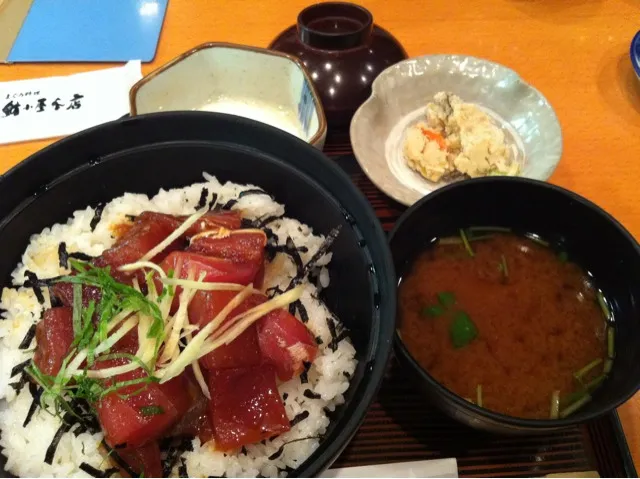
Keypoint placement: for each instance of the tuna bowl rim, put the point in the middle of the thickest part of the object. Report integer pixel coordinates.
(33, 177)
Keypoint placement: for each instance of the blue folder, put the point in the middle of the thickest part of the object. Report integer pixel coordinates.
(89, 31)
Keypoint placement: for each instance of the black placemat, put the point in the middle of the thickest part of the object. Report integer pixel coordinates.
(402, 426)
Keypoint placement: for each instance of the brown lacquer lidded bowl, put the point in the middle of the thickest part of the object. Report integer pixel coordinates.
(344, 51)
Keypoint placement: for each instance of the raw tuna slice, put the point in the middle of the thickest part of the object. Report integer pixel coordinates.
(145, 460)
(64, 292)
(135, 418)
(54, 335)
(230, 220)
(246, 406)
(212, 220)
(196, 421)
(286, 343)
(217, 270)
(244, 351)
(148, 230)
(241, 246)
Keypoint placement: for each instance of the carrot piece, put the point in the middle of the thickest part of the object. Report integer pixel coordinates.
(433, 136)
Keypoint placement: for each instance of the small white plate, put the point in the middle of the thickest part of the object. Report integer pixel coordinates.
(399, 98)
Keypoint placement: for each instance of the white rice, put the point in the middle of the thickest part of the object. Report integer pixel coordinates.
(25, 447)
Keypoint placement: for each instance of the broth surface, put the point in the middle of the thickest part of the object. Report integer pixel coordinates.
(537, 323)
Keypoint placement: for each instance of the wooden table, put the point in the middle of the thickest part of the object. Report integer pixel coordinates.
(575, 51)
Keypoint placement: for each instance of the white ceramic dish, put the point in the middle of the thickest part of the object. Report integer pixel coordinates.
(398, 100)
(428, 468)
(256, 83)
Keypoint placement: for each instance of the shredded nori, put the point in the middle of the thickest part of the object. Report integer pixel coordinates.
(308, 393)
(341, 337)
(299, 417)
(285, 396)
(334, 334)
(83, 415)
(346, 374)
(35, 284)
(277, 454)
(55, 301)
(254, 191)
(204, 194)
(93, 472)
(262, 222)
(115, 457)
(322, 250)
(33, 280)
(290, 249)
(303, 376)
(297, 305)
(63, 256)
(80, 256)
(18, 368)
(18, 385)
(328, 412)
(229, 204)
(280, 450)
(272, 244)
(62, 430)
(97, 214)
(272, 249)
(182, 469)
(246, 223)
(79, 430)
(271, 292)
(271, 236)
(319, 340)
(26, 341)
(36, 392)
(173, 452)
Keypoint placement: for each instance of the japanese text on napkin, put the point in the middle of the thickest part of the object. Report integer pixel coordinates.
(58, 106)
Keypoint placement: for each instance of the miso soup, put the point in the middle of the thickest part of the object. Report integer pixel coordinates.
(507, 322)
